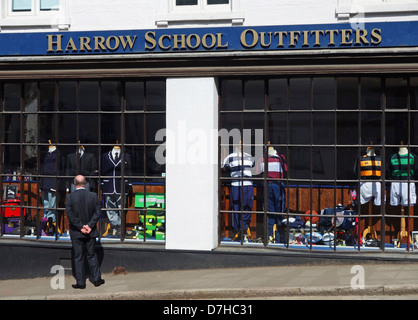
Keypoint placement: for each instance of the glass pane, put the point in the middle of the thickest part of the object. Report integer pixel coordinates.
(89, 95)
(414, 93)
(47, 96)
(254, 94)
(137, 157)
(88, 128)
(396, 127)
(299, 163)
(346, 159)
(154, 122)
(11, 161)
(323, 93)
(253, 132)
(50, 4)
(134, 128)
(414, 128)
(218, 2)
(31, 97)
(323, 163)
(347, 93)
(231, 95)
(277, 124)
(347, 128)
(47, 128)
(153, 167)
(300, 93)
(21, 5)
(371, 128)
(11, 128)
(67, 96)
(67, 123)
(134, 95)
(186, 2)
(277, 94)
(300, 128)
(155, 95)
(111, 93)
(12, 94)
(396, 93)
(371, 90)
(30, 128)
(323, 128)
(110, 128)
(30, 166)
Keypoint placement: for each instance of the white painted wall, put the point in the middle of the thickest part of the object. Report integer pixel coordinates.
(144, 14)
(191, 168)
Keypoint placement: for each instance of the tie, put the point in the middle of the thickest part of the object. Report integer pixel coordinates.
(117, 157)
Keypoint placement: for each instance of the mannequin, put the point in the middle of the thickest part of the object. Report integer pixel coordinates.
(370, 169)
(111, 171)
(277, 166)
(51, 166)
(403, 166)
(81, 162)
(239, 165)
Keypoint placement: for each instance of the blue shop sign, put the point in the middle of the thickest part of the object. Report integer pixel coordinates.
(225, 39)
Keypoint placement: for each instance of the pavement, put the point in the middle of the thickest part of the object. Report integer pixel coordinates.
(281, 282)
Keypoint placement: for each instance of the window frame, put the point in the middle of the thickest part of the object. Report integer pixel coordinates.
(57, 18)
(172, 14)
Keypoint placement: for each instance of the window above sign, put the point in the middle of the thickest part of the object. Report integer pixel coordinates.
(207, 11)
(360, 8)
(35, 13)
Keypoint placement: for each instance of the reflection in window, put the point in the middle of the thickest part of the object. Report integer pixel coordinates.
(21, 5)
(50, 5)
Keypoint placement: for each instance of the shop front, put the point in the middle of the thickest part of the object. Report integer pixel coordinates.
(274, 137)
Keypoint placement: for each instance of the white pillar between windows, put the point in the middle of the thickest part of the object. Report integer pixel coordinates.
(191, 164)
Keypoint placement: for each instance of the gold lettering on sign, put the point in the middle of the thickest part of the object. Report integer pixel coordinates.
(244, 38)
(345, 36)
(376, 36)
(249, 39)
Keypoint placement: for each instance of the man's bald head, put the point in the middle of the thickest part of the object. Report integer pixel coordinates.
(79, 181)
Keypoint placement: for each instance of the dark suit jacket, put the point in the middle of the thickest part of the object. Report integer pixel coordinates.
(83, 208)
(87, 166)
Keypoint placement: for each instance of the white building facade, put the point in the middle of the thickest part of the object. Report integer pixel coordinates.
(186, 89)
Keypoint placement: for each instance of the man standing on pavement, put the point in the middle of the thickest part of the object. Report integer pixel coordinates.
(83, 212)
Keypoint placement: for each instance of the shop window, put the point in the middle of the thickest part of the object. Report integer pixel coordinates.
(323, 141)
(105, 130)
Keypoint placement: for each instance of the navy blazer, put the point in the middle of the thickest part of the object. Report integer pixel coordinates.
(110, 170)
(83, 207)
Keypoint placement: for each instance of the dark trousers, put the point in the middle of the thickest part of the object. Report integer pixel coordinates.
(276, 203)
(85, 248)
(241, 199)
